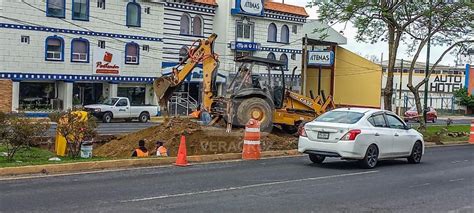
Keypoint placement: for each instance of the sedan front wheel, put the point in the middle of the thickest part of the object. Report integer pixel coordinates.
(416, 153)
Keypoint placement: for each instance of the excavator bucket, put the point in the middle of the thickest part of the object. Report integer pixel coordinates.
(164, 88)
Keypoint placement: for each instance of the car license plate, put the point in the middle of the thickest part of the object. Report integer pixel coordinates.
(323, 135)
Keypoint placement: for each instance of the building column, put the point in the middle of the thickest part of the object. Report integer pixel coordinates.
(113, 88)
(65, 93)
(150, 97)
(15, 96)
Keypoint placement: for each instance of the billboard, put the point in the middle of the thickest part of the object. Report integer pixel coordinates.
(107, 62)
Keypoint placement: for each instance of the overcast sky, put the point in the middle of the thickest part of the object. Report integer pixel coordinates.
(378, 48)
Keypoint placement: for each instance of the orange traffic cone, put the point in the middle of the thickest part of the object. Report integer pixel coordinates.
(182, 160)
(471, 134)
(251, 149)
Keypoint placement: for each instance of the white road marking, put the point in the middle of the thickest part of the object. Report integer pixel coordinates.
(454, 180)
(419, 185)
(245, 187)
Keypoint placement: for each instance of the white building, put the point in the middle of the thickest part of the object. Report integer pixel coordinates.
(58, 53)
(444, 81)
(259, 28)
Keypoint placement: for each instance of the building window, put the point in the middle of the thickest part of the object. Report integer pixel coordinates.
(36, 96)
(101, 44)
(271, 56)
(56, 8)
(244, 31)
(79, 50)
(101, 4)
(133, 14)
(146, 48)
(132, 53)
(293, 56)
(185, 24)
(272, 33)
(285, 34)
(284, 58)
(80, 10)
(197, 26)
(183, 53)
(54, 49)
(294, 29)
(25, 39)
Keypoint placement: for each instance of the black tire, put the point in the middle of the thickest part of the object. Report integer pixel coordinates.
(416, 153)
(248, 106)
(107, 117)
(317, 158)
(371, 157)
(144, 117)
(289, 129)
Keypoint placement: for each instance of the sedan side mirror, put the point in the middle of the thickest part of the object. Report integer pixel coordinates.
(408, 126)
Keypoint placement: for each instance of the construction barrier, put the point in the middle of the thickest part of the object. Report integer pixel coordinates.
(251, 149)
(471, 135)
(182, 159)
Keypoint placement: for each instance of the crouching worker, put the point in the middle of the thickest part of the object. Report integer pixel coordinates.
(161, 151)
(141, 151)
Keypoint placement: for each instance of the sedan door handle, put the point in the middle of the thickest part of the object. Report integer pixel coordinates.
(396, 134)
(377, 134)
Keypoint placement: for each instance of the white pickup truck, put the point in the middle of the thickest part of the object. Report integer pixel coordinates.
(120, 108)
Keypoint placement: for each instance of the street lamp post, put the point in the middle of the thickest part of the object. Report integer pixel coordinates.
(425, 98)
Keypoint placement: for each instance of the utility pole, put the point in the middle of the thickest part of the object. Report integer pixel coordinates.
(425, 107)
(305, 64)
(400, 90)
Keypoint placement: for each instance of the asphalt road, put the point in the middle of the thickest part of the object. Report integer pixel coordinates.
(443, 182)
(118, 128)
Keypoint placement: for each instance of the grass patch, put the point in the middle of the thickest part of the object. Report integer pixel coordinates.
(37, 156)
(431, 134)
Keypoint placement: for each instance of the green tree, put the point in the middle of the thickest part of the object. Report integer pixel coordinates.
(464, 98)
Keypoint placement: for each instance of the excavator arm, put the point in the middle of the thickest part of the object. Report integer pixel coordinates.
(202, 53)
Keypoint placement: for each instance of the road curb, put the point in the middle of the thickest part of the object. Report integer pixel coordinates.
(128, 163)
(454, 143)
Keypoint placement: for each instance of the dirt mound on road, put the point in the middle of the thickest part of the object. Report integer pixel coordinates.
(200, 140)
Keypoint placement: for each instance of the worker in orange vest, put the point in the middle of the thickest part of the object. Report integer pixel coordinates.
(196, 114)
(141, 151)
(161, 151)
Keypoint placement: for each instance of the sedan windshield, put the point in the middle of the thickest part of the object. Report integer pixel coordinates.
(110, 101)
(343, 117)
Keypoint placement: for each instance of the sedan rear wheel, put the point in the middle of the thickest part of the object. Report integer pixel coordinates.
(316, 158)
(416, 153)
(371, 157)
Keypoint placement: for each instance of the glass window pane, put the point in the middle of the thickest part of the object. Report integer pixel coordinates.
(133, 14)
(132, 50)
(197, 26)
(272, 32)
(247, 31)
(184, 24)
(80, 9)
(56, 8)
(79, 47)
(240, 30)
(378, 121)
(340, 117)
(394, 122)
(285, 34)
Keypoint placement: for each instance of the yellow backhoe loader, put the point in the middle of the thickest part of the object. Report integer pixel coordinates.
(256, 91)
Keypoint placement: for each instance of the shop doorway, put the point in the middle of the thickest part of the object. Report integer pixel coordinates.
(87, 93)
(136, 95)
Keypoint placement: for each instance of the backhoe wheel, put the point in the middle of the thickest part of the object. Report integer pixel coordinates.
(255, 108)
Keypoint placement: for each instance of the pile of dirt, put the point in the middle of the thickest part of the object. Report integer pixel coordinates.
(200, 140)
